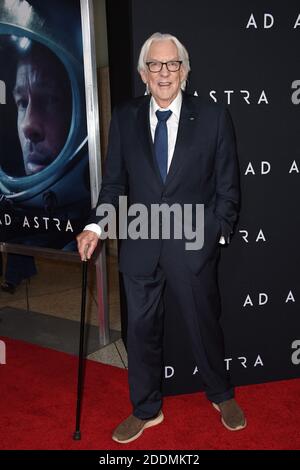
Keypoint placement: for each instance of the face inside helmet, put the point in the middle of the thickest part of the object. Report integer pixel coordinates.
(44, 161)
(38, 110)
(43, 135)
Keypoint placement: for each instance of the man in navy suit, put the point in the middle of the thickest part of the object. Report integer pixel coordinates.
(171, 148)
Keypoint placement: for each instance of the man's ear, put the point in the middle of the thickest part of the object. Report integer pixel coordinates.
(183, 74)
(144, 76)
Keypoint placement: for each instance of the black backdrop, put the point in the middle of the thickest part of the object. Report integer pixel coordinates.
(244, 55)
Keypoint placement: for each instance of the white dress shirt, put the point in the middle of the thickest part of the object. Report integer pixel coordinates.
(172, 122)
(172, 125)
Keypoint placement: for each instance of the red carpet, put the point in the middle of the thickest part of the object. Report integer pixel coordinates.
(38, 394)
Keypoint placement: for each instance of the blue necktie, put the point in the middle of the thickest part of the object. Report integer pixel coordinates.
(161, 142)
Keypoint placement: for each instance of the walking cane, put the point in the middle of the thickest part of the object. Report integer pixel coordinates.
(77, 433)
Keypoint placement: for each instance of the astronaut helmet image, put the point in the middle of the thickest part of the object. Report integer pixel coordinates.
(43, 135)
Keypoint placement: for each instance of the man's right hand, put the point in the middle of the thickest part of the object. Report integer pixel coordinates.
(86, 243)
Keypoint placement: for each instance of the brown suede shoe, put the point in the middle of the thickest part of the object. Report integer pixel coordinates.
(233, 417)
(132, 428)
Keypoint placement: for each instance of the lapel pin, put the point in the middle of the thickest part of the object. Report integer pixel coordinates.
(192, 118)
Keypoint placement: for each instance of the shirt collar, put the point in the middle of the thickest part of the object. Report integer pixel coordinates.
(175, 106)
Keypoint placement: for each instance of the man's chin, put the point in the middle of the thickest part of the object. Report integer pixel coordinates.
(32, 168)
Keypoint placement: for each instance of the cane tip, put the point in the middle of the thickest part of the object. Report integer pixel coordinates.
(77, 436)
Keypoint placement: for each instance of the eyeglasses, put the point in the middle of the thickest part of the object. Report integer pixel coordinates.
(172, 66)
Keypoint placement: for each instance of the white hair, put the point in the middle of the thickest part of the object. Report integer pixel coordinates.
(182, 53)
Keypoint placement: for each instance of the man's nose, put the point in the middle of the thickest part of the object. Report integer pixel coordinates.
(164, 71)
(32, 125)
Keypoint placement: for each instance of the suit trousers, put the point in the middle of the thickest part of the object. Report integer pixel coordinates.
(198, 300)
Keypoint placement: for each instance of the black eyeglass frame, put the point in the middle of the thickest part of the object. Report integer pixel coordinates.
(179, 62)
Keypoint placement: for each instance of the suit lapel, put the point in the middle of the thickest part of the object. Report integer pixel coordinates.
(185, 136)
(184, 141)
(144, 133)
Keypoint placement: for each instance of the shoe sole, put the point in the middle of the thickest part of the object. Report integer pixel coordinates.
(238, 428)
(153, 422)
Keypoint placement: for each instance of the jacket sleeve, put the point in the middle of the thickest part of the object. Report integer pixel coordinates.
(114, 181)
(227, 176)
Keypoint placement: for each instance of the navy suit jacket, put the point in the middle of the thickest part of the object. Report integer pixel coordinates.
(203, 170)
